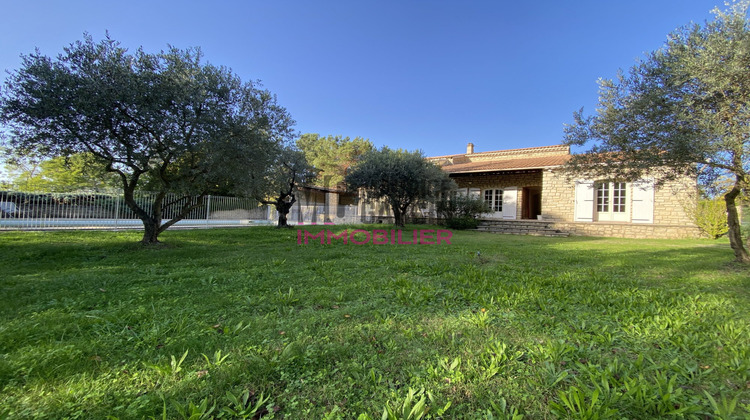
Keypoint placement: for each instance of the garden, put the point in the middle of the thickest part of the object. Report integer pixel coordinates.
(247, 323)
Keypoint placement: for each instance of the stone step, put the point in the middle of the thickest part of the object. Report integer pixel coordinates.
(515, 222)
(520, 227)
(538, 233)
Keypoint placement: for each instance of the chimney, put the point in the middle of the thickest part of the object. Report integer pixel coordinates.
(470, 148)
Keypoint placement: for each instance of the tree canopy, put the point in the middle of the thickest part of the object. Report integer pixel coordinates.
(288, 171)
(402, 178)
(682, 110)
(332, 156)
(188, 126)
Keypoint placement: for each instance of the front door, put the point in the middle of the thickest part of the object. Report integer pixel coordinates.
(532, 202)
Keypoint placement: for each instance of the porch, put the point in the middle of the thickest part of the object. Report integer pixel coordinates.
(511, 195)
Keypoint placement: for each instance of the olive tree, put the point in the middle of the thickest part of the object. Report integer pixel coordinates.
(402, 178)
(682, 110)
(284, 176)
(186, 125)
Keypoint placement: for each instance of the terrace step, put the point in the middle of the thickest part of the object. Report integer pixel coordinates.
(520, 227)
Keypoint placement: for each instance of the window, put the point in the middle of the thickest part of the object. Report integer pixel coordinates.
(614, 201)
(619, 195)
(602, 197)
(611, 201)
(494, 199)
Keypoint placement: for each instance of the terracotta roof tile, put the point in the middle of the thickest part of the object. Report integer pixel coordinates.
(506, 165)
(540, 149)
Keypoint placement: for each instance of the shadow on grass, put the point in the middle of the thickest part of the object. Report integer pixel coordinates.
(97, 305)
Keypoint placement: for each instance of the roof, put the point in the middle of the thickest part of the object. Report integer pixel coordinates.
(507, 164)
(504, 160)
(527, 150)
(325, 189)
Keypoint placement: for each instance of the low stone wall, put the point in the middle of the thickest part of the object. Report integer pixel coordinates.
(628, 230)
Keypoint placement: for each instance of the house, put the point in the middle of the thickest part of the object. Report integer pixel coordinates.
(317, 204)
(526, 185)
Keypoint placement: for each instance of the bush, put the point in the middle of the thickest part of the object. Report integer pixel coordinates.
(461, 223)
(461, 211)
(461, 206)
(711, 217)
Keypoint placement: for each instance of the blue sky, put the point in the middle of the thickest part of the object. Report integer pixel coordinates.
(429, 75)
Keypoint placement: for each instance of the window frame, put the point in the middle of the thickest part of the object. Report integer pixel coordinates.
(612, 201)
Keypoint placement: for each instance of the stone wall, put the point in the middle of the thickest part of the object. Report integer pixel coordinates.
(310, 197)
(670, 218)
(670, 201)
(558, 196)
(628, 230)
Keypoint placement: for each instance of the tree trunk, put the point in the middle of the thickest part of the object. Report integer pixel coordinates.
(283, 211)
(735, 233)
(151, 225)
(398, 217)
(283, 207)
(150, 232)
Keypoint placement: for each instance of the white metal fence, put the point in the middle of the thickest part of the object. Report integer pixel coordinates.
(28, 210)
(96, 210)
(321, 214)
(362, 213)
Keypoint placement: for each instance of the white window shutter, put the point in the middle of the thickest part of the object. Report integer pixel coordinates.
(510, 197)
(584, 209)
(474, 192)
(643, 201)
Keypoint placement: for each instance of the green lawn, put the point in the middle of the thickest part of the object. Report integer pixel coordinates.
(246, 322)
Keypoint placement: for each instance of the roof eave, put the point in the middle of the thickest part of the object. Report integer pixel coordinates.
(505, 169)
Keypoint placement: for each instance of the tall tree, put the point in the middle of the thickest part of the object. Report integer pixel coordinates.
(288, 171)
(332, 156)
(186, 125)
(402, 178)
(683, 110)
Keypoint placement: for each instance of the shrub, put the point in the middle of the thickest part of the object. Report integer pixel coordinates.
(711, 217)
(461, 206)
(461, 223)
(461, 211)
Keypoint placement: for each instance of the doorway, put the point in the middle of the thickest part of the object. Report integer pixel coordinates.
(532, 202)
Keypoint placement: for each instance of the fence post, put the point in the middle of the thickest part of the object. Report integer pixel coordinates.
(208, 209)
(117, 211)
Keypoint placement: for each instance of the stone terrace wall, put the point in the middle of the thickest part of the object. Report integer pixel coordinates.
(628, 230)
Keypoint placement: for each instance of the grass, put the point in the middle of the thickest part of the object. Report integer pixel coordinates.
(245, 323)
